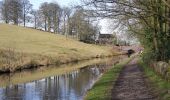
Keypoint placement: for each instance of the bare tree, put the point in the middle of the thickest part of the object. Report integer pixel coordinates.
(35, 17)
(5, 11)
(81, 26)
(44, 11)
(15, 11)
(66, 13)
(52, 15)
(12, 11)
(27, 7)
(55, 15)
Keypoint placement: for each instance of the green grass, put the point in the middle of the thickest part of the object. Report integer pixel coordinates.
(21, 47)
(160, 86)
(102, 88)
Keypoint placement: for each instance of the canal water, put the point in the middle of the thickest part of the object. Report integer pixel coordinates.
(65, 82)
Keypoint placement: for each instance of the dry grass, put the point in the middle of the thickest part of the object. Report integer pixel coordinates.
(23, 47)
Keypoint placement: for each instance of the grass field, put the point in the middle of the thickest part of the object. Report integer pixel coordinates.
(24, 48)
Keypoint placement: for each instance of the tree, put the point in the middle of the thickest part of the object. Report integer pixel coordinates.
(66, 16)
(1, 4)
(15, 11)
(81, 27)
(56, 15)
(5, 11)
(52, 14)
(12, 11)
(149, 21)
(27, 7)
(44, 11)
(35, 17)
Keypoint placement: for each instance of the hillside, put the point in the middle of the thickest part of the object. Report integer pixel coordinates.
(24, 48)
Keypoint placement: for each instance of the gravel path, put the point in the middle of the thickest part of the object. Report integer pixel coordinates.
(131, 84)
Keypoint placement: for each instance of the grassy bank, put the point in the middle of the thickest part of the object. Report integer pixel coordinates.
(25, 48)
(102, 88)
(160, 86)
(27, 76)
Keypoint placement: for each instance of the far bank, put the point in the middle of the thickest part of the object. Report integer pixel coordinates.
(22, 48)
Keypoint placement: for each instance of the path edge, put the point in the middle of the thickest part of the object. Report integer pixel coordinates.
(102, 89)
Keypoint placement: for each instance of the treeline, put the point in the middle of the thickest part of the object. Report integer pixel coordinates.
(148, 20)
(51, 17)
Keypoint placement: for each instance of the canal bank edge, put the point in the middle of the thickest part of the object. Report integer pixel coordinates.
(159, 86)
(103, 87)
(49, 61)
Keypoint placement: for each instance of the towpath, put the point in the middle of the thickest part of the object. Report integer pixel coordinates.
(132, 85)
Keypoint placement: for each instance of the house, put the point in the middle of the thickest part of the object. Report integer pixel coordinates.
(105, 39)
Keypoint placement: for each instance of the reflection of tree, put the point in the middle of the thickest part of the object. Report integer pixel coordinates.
(70, 85)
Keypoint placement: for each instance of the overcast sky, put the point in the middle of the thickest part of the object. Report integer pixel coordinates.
(36, 3)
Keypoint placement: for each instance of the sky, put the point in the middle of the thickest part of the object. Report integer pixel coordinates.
(37, 3)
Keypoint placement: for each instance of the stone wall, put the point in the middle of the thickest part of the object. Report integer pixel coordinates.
(162, 68)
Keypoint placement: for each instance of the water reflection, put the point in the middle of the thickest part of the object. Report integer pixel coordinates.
(70, 85)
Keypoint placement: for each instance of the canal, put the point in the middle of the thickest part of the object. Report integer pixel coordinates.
(65, 82)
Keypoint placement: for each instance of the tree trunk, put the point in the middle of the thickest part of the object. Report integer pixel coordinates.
(155, 35)
(49, 24)
(45, 23)
(35, 22)
(55, 22)
(58, 24)
(24, 15)
(169, 21)
(64, 30)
